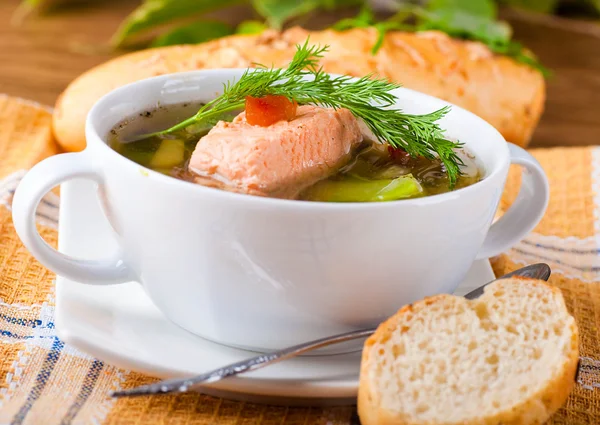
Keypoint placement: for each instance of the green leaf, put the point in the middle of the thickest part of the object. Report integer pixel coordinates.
(365, 15)
(345, 24)
(365, 18)
(382, 28)
(251, 27)
(277, 12)
(152, 13)
(476, 20)
(198, 32)
(481, 8)
(465, 18)
(458, 23)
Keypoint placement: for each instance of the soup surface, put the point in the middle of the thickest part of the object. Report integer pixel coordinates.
(375, 171)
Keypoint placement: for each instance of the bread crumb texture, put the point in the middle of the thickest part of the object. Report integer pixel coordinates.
(508, 357)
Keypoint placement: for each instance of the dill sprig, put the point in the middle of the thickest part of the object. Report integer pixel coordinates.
(368, 99)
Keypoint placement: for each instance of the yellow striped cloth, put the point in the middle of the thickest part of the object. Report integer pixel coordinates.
(46, 382)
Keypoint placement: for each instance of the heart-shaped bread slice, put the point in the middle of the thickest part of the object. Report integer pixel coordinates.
(508, 357)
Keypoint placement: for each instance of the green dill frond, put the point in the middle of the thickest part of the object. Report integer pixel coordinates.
(369, 99)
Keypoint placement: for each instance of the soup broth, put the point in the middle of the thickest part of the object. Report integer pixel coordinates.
(376, 171)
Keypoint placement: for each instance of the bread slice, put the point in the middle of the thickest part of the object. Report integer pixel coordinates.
(508, 357)
(508, 95)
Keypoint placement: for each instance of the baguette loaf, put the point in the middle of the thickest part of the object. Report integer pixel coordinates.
(507, 358)
(508, 95)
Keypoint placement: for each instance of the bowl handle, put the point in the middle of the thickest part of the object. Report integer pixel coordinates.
(527, 210)
(37, 182)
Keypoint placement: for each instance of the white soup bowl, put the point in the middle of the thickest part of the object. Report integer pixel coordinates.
(264, 273)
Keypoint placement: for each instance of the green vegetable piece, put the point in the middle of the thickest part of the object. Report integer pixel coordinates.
(465, 25)
(198, 32)
(354, 190)
(277, 12)
(476, 20)
(365, 18)
(251, 27)
(481, 8)
(170, 153)
(465, 18)
(142, 158)
(153, 13)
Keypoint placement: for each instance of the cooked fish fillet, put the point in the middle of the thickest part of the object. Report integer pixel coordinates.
(508, 95)
(281, 159)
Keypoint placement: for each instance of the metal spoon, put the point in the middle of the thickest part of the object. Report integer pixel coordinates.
(536, 271)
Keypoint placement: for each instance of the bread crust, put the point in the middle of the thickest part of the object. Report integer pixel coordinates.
(536, 409)
(508, 95)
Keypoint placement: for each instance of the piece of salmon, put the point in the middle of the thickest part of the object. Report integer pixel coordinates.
(279, 160)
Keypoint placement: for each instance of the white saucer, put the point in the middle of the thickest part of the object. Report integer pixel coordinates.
(120, 325)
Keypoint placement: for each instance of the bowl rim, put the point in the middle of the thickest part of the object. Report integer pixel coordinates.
(94, 136)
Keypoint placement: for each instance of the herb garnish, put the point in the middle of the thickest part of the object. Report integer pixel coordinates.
(466, 19)
(369, 99)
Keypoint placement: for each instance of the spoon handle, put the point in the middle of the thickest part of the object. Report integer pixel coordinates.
(536, 271)
(254, 363)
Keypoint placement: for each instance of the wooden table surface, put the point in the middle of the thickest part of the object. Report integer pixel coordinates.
(42, 55)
